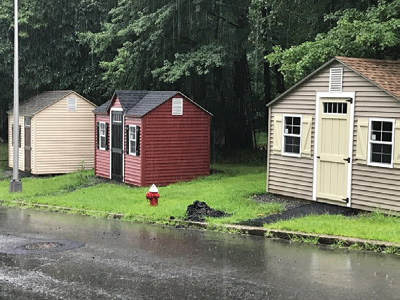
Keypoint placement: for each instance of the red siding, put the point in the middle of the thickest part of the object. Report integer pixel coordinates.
(102, 157)
(175, 148)
(116, 103)
(133, 164)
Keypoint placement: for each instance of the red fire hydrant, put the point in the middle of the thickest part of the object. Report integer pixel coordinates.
(152, 195)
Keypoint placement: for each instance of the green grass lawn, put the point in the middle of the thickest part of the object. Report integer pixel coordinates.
(230, 188)
(372, 226)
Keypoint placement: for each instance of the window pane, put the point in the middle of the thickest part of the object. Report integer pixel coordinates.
(376, 125)
(386, 159)
(387, 136)
(387, 149)
(296, 129)
(296, 149)
(376, 136)
(296, 121)
(132, 146)
(387, 126)
(376, 148)
(102, 142)
(288, 148)
(344, 108)
(288, 129)
(376, 158)
(288, 120)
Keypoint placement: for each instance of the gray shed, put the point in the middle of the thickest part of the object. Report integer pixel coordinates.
(334, 137)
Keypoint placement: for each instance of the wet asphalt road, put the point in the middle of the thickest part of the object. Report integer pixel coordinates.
(121, 260)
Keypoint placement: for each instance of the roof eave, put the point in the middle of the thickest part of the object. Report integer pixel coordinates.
(366, 78)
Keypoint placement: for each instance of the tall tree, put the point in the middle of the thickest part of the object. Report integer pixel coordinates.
(199, 47)
(372, 33)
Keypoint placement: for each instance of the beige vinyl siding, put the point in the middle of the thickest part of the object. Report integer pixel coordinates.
(293, 176)
(21, 153)
(374, 187)
(63, 140)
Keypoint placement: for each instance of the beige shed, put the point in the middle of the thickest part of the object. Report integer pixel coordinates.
(56, 133)
(334, 137)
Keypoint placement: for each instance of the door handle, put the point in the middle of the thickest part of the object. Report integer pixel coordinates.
(347, 159)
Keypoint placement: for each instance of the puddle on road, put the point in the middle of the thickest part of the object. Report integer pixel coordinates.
(38, 247)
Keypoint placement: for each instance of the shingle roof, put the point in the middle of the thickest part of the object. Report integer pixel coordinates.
(383, 73)
(150, 101)
(139, 103)
(39, 102)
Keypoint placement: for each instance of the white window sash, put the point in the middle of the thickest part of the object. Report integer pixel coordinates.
(102, 135)
(290, 135)
(132, 138)
(370, 142)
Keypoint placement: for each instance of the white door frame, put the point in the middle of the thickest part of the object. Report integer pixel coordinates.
(320, 95)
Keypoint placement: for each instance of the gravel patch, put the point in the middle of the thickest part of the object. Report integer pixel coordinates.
(296, 208)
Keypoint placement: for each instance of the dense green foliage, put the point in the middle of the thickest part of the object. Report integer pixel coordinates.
(373, 33)
(212, 51)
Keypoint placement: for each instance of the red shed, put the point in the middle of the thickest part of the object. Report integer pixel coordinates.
(146, 137)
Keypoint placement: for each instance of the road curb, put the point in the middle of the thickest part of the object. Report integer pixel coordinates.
(373, 245)
(324, 239)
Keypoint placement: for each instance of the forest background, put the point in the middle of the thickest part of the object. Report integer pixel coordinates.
(231, 57)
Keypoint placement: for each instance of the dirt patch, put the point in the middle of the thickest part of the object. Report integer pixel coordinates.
(198, 210)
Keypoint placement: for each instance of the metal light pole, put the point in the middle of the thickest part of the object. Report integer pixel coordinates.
(15, 183)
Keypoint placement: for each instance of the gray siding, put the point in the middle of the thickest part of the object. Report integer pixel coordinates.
(372, 187)
(292, 176)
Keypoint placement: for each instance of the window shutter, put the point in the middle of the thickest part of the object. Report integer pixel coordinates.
(137, 140)
(306, 127)
(277, 143)
(362, 140)
(127, 139)
(97, 135)
(335, 79)
(396, 158)
(107, 136)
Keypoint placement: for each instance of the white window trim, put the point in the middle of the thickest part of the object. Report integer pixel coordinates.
(132, 152)
(375, 164)
(100, 135)
(294, 135)
(177, 106)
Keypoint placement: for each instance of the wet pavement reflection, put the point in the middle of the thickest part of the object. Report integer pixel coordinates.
(123, 260)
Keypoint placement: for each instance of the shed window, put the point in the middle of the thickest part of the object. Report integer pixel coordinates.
(71, 104)
(335, 108)
(381, 142)
(102, 136)
(133, 140)
(291, 135)
(177, 106)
